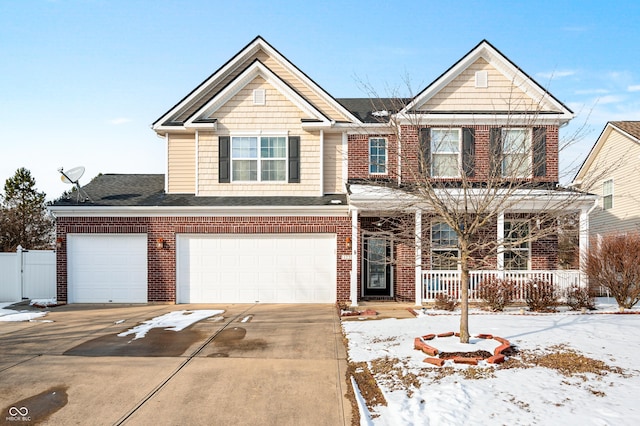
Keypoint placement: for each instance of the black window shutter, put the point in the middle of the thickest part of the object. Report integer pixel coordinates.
(224, 159)
(539, 151)
(425, 150)
(468, 151)
(495, 148)
(294, 159)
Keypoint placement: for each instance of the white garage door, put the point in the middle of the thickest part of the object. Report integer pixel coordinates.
(248, 268)
(107, 268)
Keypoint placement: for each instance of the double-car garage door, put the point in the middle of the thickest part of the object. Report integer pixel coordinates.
(248, 268)
(228, 268)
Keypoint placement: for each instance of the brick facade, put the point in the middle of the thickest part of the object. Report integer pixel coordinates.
(161, 262)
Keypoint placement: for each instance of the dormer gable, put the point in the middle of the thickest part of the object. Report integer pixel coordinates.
(485, 86)
(257, 58)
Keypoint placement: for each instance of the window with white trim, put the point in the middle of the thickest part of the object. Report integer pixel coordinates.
(377, 156)
(259, 158)
(445, 153)
(517, 251)
(516, 152)
(607, 194)
(444, 247)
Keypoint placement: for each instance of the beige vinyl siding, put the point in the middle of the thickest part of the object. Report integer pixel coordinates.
(181, 164)
(240, 115)
(332, 163)
(277, 68)
(462, 95)
(618, 159)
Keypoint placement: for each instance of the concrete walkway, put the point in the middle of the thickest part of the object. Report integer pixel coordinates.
(256, 365)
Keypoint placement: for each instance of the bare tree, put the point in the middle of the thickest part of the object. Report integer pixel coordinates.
(471, 179)
(614, 263)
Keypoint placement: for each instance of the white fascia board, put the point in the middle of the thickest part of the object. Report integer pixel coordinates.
(470, 118)
(199, 211)
(255, 70)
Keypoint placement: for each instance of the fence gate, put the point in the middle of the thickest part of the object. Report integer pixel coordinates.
(27, 274)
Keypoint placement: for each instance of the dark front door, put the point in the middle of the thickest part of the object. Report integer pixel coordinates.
(376, 265)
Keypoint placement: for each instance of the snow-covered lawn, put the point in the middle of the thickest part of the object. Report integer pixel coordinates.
(514, 393)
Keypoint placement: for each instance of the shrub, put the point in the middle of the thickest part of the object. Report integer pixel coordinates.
(580, 297)
(614, 264)
(496, 293)
(445, 302)
(540, 295)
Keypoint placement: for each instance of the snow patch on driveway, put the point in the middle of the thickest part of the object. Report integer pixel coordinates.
(174, 321)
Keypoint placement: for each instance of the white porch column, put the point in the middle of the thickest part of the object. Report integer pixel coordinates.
(500, 237)
(418, 245)
(583, 245)
(354, 258)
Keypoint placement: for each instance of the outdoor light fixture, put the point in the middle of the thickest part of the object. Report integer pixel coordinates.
(58, 242)
(160, 243)
(347, 243)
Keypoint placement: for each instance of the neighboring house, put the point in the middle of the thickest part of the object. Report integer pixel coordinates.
(267, 194)
(611, 171)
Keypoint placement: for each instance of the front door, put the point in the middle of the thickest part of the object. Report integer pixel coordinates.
(376, 266)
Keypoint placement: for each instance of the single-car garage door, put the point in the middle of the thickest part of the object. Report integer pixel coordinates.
(248, 268)
(107, 268)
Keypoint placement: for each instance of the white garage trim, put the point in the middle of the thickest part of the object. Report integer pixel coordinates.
(107, 268)
(249, 268)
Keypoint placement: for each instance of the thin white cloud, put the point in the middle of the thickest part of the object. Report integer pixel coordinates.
(555, 74)
(120, 120)
(634, 88)
(610, 99)
(591, 92)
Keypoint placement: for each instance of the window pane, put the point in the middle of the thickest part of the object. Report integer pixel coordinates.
(245, 170)
(445, 165)
(377, 155)
(516, 150)
(516, 260)
(273, 147)
(445, 140)
(442, 235)
(515, 141)
(444, 259)
(516, 165)
(273, 170)
(244, 147)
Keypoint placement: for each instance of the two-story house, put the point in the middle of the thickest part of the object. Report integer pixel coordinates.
(273, 188)
(610, 170)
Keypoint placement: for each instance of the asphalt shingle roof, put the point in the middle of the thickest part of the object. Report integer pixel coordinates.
(631, 127)
(147, 190)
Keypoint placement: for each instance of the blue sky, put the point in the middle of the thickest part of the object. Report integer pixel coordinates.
(83, 80)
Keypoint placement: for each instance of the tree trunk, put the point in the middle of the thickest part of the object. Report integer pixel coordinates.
(464, 295)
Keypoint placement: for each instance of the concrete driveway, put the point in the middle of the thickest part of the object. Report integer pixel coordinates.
(257, 364)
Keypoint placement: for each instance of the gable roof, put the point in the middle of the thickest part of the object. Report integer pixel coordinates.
(228, 74)
(545, 102)
(630, 129)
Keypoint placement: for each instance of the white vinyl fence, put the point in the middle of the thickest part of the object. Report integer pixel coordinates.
(27, 274)
(448, 282)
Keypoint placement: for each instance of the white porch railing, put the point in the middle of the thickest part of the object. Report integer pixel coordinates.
(448, 282)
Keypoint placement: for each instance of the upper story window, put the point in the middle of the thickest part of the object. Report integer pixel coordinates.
(607, 194)
(445, 152)
(444, 247)
(259, 158)
(516, 238)
(377, 156)
(516, 152)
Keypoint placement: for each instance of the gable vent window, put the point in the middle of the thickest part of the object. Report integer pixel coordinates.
(259, 97)
(482, 79)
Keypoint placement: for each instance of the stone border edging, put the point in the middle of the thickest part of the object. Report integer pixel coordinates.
(419, 343)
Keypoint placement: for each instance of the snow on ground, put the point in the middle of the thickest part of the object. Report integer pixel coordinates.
(13, 315)
(518, 396)
(175, 321)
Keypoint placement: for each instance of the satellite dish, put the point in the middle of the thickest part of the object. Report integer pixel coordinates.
(72, 176)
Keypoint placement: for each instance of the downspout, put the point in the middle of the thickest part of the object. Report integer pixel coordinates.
(321, 162)
(399, 142)
(354, 258)
(418, 248)
(166, 164)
